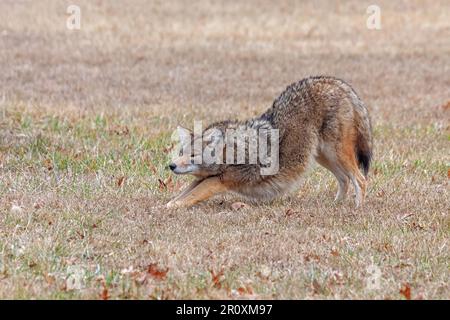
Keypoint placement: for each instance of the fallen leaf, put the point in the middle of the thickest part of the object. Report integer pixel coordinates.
(290, 212)
(334, 252)
(157, 273)
(416, 226)
(217, 283)
(387, 247)
(169, 183)
(406, 291)
(446, 106)
(105, 294)
(311, 257)
(49, 278)
(120, 181)
(48, 164)
(162, 184)
(239, 205)
(241, 291)
(249, 289)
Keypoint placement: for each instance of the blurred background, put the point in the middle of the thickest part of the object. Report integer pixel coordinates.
(225, 57)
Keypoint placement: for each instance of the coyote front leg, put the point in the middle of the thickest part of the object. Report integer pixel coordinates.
(198, 191)
(187, 190)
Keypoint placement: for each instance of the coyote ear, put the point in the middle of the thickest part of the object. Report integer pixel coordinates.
(184, 134)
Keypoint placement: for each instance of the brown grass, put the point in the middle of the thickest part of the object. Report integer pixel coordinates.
(85, 120)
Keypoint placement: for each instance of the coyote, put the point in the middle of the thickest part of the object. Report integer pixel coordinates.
(318, 119)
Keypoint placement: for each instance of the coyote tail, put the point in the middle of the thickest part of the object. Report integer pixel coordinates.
(364, 140)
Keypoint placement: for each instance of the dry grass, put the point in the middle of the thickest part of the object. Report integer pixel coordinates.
(85, 117)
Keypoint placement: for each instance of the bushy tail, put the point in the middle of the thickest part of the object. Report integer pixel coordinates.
(364, 155)
(364, 141)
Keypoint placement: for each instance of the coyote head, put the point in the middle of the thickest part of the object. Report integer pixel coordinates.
(199, 155)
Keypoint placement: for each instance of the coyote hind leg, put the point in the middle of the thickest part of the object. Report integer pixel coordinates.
(328, 159)
(347, 160)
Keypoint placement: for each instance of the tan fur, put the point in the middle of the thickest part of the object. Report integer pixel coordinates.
(198, 191)
(319, 119)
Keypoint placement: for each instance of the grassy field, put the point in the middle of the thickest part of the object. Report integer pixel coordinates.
(85, 123)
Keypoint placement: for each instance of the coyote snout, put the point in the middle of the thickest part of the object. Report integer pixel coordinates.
(318, 119)
(183, 168)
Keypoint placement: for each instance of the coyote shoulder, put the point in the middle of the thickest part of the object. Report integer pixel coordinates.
(318, 119)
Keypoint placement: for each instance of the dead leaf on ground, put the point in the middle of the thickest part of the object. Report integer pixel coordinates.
(334, 252)
(120, 181)
(105, 294)
(446, 106)
(49, 278)
(311, 257)
(48, 164)
(247, 290)
(156, 272)
(416, 226)
(167, 185)
(162, 184)
(290, 212)
(217, 282)
(406, 291)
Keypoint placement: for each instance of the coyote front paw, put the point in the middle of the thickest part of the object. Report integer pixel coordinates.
(174, 204)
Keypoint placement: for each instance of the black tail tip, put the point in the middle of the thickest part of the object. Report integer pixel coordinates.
(364, 161)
